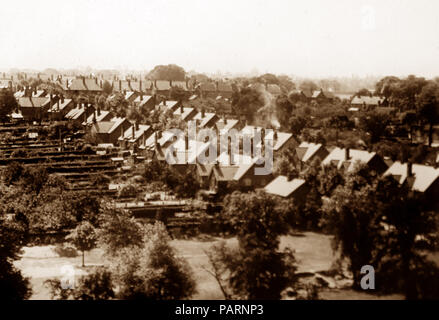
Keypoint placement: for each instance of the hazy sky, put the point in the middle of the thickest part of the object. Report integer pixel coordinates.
(306, 38)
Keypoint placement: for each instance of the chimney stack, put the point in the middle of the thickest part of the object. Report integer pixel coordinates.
(134, 131)
(346, 154)
(203, 113)
(181, 109)
(120, 85)
(98, 111)
(409, 169)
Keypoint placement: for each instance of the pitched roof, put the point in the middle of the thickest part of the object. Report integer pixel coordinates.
(203, 121)
(128, 134)
(282, 187)
(374, 101)
(103, 126)
(337, 157)
(187, 114)
(343, 96)
(61, 105)
(204, 170)
(26, 102)
(103, 114)
(282, 137)
(306, 150)
(144, 100)
(225, 127)
(424, 176)
(129, 94)
(168, 105)
(75, 113)
(117, 121)
(84, 84)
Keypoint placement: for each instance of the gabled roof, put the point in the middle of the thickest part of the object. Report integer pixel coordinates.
(84, 84)
(188, 155)
(343, 96)
(103, 114)
(337, 158)
(143, 100)
(225, 127)
(26, 102)
(306, 150)
(61, 105)
(283, 187)
(316, 93)
(373, 101)
(282, 137)
(224, 171)
(129, 94)
(168, 105)
(128, 134)
(203, 121)
(187, 114)
(204, 170)
(75, 113)
(117, 121)
(424, 176)
(39, 93)
(103, 126)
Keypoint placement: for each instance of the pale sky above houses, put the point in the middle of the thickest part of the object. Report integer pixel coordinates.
(305, 38)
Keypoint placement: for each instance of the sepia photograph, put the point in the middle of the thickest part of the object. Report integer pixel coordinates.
(219, 155)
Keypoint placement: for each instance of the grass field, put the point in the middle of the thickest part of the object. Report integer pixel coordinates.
(312, 251)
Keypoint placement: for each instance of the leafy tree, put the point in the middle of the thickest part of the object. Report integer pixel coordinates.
(363, 93)
(118, 229)
(428, 107)
(247, 102)
(83, 237)
(297, 124)
(117, 104)
(153, 271)
(283, 110)
(177, 93)
(167, 72)
(308, 86)
(8, 103)
(257, 269)
(376, 221)
(189, 185)
(106, 88)
(375, 124)
(97, 285)
(13, 286)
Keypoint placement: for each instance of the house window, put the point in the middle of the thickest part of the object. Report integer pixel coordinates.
(247, 182)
